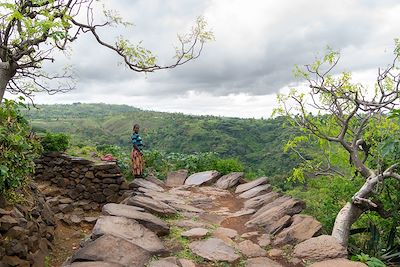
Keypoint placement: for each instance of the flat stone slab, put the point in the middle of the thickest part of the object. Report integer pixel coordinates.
(148, 220)
(129, 230)
(261, 200)
(186, 207)
(337, 263)
(262, 262)
(256, 191)
(139, 182)
(247, 186)
(320, 248)
(112, 249)
(151, 205)
(214, 249)
(222, 231)
(176, 178)
(94, 264)
(195, 233)
(202, 177)
(189, 224)
(251, 250)
(163, 263)
(303, 227)
(229, 180)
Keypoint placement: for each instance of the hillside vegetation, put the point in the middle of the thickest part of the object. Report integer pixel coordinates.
(257, 143)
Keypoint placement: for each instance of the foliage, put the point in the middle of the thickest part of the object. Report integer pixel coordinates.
(370, 261)
(18, 147)
(257, 143)
(55, 142)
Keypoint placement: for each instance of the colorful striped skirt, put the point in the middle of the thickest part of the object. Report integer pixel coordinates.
(137, 163)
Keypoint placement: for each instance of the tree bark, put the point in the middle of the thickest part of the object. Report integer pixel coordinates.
(4, 78)
(345, 218)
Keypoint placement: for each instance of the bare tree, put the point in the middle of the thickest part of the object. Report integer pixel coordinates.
(31, 30)
(352, 108)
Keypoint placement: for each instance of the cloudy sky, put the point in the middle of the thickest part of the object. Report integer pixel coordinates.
(257, 43)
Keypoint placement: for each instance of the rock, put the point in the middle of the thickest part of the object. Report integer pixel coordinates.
(90, 220)
(242, 212)
(320, 248)
(189, 224)
(256, 191)
(250, 250)
(155, 180)
(302, 228)
(176, 178)
(247, 186)
(277, 217)
(148, 220)
(249, 234)
(151, 205)
(262, 262)
(166, 262)
(275, 253)
(139, 182)
(214, 249)
(93, 264)
(202, 178)
(14, 261)
(75, 219)
(129, 230)
(186, 263)
(261, 200)
(7, 222)
(338, 262)
(112, 249)
(229, 180)
(195, 233)
(264, 240)
(185, 207)
(271, 205)
(221, 231)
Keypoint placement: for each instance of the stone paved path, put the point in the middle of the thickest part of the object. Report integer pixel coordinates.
(202, 220)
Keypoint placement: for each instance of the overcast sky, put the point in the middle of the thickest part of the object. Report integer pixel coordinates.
(257, 43)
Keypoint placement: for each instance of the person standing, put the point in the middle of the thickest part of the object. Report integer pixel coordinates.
(137, 154)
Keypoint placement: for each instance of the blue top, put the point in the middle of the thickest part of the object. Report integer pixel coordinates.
(137, 140)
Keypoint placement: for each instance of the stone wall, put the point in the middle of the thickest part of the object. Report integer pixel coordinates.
(26, 230)
(82, 180)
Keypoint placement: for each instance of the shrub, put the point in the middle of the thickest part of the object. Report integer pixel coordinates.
(55, 142)
(18, 146)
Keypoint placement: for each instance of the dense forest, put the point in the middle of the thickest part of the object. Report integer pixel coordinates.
(257, 143)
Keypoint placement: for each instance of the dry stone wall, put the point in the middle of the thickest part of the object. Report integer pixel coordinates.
(82, 180)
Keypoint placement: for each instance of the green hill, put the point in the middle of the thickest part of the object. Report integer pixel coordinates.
(256, 142)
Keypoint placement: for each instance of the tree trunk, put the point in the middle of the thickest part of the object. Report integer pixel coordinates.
(4, 78)
(345, 218)
(350, 212)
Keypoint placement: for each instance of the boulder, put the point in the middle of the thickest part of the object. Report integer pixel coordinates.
(186, 263)
(264, 240)
(195, 233)
(278, 201)
(202, 178)
(139, 182)
(129, 230)
(320, 248)
(214, 249)
(221, 231)
(112, 249)
(262, 262)
(277, 217)
(186, 207)
(166, 262)
(189, 224)
(303, 227)
(176, 178)
(155, 180)
(261, 200)
(247, 186)
(338, 262)
(148, 220)
(151, 205)
(256, 191)
(93, 264)
(229, 180)
(250, 250)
